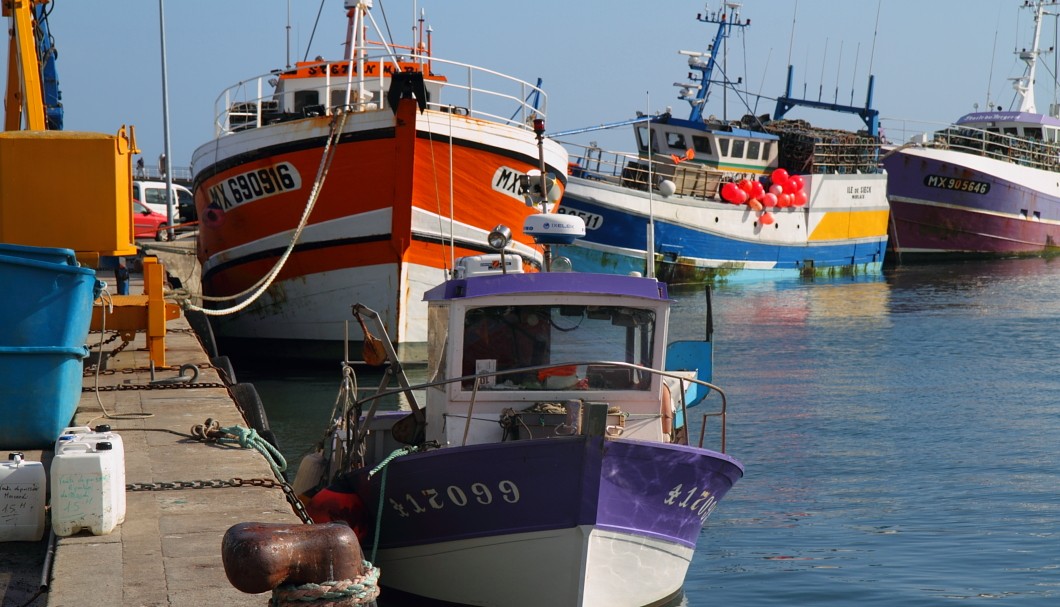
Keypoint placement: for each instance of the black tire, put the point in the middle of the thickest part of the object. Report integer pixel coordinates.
(249, 403)
(200, 323)
(225, 369)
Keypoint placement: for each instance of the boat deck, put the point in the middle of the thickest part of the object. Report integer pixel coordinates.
(168, 550)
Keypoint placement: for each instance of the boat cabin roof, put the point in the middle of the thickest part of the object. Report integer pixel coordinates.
(716, 128)
(567, 283)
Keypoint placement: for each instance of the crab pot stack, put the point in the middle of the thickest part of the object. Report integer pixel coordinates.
(808, 149)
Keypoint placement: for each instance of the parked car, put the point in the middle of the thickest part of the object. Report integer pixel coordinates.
(153, 194)
(148, 223)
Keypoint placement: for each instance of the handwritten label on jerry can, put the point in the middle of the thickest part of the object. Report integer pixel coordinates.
(84, 487)
(83, 434)
(23, 489)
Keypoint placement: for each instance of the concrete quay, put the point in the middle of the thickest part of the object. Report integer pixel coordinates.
(168, 550)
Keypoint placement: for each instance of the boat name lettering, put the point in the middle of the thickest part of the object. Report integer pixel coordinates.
(370, 69)
(592, 220)
(953, 183)
(700, 502)
(478, 493)
(507, 180)
(255, 185)
(859, 192)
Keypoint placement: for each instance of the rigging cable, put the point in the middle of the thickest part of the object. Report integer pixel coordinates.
(314, 32)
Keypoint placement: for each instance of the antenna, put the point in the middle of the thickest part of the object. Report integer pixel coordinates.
(838, 65)
(875, 32)
(854, 75)
(649, 248)
(820, 84)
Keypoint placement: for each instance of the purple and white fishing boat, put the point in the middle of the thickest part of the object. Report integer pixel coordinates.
(551, 463)
(986, 186)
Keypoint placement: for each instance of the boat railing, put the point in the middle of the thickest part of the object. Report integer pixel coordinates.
(1025, 151)
(369, 404)
(862, 157)
(634, 171)
(465, 90)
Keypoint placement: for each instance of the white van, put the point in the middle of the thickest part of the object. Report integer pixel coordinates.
(153, 194)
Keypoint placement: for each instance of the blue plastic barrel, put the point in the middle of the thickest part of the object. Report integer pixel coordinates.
(52, 254)
(40, 388)
(44, 303)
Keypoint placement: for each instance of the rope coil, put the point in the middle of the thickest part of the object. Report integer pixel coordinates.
(359, 591)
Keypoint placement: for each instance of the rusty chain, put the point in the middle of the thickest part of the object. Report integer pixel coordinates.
(268, 483)
(171, 386)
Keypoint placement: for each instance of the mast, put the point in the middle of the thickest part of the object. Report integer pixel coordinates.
(705, 63)
(1024, 84)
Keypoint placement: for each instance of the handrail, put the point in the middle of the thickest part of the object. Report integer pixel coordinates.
(244, 100)
(478, 377)
(1025, 151)
(629, 169)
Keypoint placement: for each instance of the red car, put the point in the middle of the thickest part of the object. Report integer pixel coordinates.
(148, 223)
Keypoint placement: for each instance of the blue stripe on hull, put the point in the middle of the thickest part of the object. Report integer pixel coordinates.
(620, 248)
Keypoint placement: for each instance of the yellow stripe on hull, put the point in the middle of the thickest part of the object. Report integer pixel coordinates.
(837, 225)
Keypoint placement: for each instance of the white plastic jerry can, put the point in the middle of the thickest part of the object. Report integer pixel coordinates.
(102, 432)
(23, 495)
(84, 487)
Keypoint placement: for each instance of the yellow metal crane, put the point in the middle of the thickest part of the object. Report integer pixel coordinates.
(88, 206)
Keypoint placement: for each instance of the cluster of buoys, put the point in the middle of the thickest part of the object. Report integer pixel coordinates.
(784, 191)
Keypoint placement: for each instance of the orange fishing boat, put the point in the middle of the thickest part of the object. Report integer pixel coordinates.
(361, 180)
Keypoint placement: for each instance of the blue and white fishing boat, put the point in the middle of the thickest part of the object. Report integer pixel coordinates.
(551, 464)
(712, 199)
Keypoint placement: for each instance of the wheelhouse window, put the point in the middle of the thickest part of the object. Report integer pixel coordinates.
(723, 146)
(676, 141)
(701, 144)
(754, 149)
(569, 346)
(1033, 132)
(338, 97)
(642, 140)
(737, 148)
(304, 99)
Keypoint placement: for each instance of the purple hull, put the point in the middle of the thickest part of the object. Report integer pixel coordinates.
(942, 206)
(661, 491)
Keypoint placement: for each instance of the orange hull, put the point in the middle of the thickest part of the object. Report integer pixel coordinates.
(405, 195)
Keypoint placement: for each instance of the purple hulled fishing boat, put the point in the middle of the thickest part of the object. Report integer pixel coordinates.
(986, 186)
(550, 460)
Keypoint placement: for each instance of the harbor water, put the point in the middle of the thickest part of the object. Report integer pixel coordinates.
(899, 433)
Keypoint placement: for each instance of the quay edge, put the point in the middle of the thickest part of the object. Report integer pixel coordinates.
(168, 550)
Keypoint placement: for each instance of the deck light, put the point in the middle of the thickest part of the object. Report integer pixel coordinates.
(499, 237)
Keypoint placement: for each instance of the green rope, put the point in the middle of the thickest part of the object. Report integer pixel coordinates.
(248, 438)
(359, 591)
(396, 454)
(382, 490)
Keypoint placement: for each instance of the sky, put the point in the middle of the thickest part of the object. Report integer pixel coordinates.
(601, 61)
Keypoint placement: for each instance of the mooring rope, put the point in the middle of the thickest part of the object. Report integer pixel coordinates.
(359, 591)
(337, 126)
(249, 438)
(382, 490)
